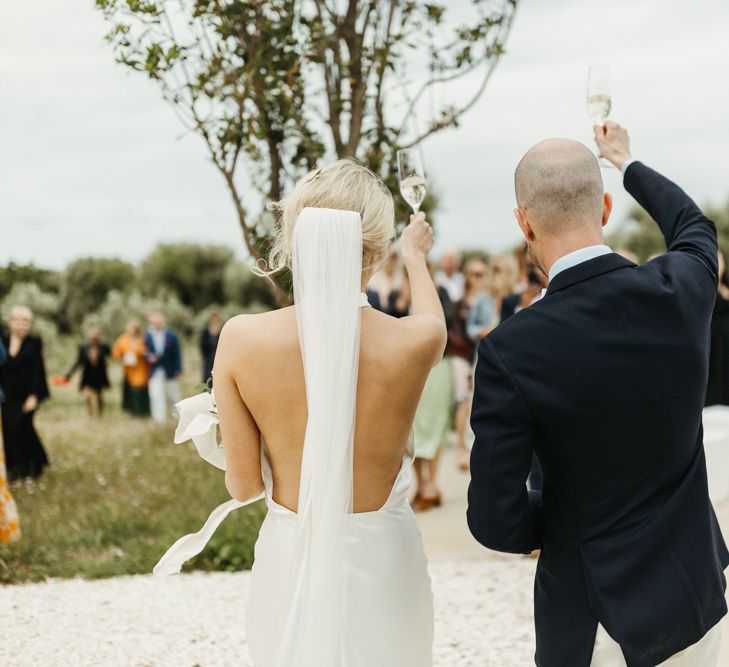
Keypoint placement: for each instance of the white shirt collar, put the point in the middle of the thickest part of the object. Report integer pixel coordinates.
(577, 257)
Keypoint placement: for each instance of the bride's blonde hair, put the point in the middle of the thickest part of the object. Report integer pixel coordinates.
(345, 185)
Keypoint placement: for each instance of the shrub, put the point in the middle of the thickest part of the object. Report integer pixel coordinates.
(119, 308)
(45, 307)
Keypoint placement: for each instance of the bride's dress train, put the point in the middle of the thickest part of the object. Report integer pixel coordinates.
(388, 618)
(330, 587)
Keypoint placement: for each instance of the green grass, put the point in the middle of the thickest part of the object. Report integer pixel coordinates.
(118, 492)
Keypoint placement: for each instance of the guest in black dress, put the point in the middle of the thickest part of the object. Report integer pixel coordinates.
(717, 391)
(209, 344)
(91, 360)
(23, 379)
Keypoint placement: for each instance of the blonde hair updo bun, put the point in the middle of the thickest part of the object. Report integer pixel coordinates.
(345, 185)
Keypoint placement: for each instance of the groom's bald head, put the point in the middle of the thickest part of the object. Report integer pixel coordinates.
(559, 186)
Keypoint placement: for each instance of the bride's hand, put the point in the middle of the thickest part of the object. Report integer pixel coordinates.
(416, 240)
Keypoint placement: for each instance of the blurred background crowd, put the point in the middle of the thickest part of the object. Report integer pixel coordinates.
(150, 322)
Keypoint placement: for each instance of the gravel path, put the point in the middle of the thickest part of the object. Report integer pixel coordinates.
(483, 618)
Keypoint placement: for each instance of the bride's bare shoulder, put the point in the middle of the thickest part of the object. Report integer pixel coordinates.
(250, 333)
(415, 334)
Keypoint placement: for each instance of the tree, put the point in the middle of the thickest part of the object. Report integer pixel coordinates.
(47, 280)
(642, 236)
(85, 284)
(273, 87)
(194, 273)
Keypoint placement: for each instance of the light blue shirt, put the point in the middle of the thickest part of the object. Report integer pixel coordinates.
(577, 257)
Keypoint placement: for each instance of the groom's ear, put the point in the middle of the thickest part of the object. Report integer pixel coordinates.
(524, 225)
(607, 207)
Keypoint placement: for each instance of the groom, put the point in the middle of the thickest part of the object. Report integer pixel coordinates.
(604, 379)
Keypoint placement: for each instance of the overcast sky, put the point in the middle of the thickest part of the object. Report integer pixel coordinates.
(91, 162)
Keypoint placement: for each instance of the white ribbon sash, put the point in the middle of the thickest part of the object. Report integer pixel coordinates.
(199, 423)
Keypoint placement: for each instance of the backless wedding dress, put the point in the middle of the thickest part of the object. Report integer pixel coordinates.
(330, 587)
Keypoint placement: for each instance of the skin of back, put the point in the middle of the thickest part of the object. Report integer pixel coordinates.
(259, 363)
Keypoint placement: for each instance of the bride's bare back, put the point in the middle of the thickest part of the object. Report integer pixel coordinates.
(260, 356)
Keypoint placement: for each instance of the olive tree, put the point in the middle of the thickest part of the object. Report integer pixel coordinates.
(274, 87)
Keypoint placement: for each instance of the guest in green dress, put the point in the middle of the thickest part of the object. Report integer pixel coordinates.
(432, 423)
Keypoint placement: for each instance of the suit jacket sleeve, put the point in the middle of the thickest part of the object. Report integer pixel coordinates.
(177, 355)
(502, 514)
(685, 228)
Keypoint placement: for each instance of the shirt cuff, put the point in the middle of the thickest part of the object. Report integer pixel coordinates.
(626, 164)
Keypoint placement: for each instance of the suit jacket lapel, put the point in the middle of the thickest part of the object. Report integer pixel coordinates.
(586, 271)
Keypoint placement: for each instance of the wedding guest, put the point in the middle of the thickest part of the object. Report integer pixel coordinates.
(9, 522)
(129, 349)
(504, 279)
(23, 379)
(536, 281)
(91, 360)
(718, 385)
(398, 303)
(209, 343)
(449, 275)
(432, 423)
(461, 351)
(482, 318)
(165, 362)
(373, 298)
(385, 281)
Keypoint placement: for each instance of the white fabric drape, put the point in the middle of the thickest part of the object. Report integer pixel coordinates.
(199, 423)
(327, 266)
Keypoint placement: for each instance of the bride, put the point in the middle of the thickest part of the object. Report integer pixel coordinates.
(316, 404)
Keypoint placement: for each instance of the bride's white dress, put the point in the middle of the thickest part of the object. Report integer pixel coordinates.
(329, 587)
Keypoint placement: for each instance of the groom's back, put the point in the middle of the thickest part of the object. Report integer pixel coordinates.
(619, 363)
(605, 378)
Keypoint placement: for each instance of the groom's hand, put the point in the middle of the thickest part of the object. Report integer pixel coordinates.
(613, 142)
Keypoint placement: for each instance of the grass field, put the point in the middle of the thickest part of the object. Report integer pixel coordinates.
(118, 492)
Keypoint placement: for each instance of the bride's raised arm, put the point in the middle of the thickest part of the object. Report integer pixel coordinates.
(427, 319)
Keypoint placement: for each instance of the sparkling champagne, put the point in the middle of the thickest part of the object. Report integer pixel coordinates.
(413, 190)
(598, 108)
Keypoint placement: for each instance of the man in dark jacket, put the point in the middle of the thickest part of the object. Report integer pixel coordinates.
(604, 379)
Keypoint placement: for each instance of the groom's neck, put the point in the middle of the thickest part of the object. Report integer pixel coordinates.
(561, 247)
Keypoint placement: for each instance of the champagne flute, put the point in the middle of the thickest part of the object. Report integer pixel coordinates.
(412, 177)
(599, 101)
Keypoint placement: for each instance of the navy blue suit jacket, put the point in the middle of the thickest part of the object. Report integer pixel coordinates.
(171, 359)
(605, 379)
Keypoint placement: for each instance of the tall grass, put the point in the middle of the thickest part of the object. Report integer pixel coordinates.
(118, 492)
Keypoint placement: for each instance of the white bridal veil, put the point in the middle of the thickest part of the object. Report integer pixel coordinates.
(327, 274)
(327, 266)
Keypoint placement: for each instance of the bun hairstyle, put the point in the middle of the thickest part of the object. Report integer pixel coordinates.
(345, 185)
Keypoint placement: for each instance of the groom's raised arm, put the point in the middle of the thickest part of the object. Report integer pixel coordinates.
(502, 515)
(685, 228)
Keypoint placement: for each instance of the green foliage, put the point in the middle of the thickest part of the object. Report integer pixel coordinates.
(117, 494)
(86, 283)
(194, 273)
(242, 287)
(273, 88)
(119, 308)
(12, 274)
(180, 280)
(641, 235)
(45, 307)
